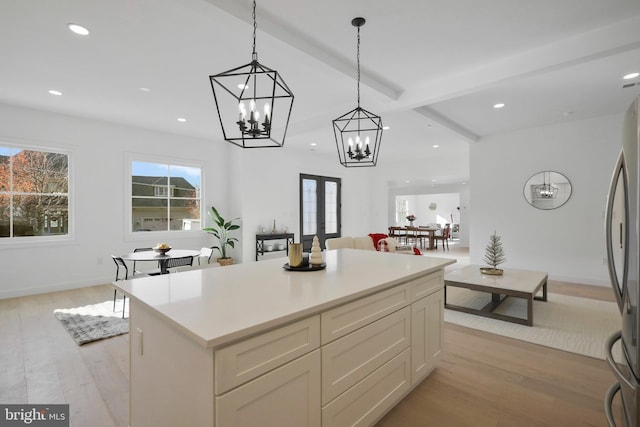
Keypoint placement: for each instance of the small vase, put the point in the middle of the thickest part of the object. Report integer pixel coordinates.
(410, 223)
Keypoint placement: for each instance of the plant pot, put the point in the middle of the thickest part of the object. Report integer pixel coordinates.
(491, 271)
(225, 261)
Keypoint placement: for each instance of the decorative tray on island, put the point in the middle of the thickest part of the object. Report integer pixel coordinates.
(307, 267)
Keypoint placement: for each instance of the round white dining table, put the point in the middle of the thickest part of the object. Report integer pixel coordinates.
(161, 259)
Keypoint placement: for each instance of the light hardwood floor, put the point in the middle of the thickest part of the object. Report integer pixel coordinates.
(482, 379)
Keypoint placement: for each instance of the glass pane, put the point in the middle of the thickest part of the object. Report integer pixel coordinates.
(40, 215)
(149, 214)
(185, 214)
(309, 206)
(40, 172)
(5, 171)
(150, 192)
(5, 213)
(331, 207)
(185, 181)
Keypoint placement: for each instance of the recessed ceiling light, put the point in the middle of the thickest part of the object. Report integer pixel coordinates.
(499, 105)
(435, 146)
(385, 127)
(243, 86)
(78, 29)
(313, 144)
(182, 119)
(433, 180)
(55, 92)
(631, 76)
(145, 89)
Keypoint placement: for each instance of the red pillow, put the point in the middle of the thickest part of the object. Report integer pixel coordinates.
(376, 237)
(416, 251)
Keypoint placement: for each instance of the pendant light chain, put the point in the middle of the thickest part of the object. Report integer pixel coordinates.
(254, 55)
(358, 57)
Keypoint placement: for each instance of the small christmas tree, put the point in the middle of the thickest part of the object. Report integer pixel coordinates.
(493, 253)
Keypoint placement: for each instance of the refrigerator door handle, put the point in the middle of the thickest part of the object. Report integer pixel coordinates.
(629, 382)
(618, 173)
(608, 402)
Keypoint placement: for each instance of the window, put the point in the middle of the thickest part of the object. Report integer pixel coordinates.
(164, 197)
(34, 193)
(402, 210)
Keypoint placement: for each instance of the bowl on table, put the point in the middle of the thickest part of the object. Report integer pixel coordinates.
(162, 250)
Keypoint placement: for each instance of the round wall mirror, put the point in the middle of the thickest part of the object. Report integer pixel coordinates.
(547, 190)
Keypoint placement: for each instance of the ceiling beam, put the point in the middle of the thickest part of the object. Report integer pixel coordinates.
(454, 127)
(311, 47)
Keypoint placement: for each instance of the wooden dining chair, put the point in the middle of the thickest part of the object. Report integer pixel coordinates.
(446, 234)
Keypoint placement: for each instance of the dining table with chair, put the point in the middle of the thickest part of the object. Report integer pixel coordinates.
(166, 260)
(417, 236)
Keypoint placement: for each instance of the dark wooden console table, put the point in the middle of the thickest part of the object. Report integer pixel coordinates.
(260, 238)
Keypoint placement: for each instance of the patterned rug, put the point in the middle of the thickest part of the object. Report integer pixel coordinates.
(577, 325)
(94, 322)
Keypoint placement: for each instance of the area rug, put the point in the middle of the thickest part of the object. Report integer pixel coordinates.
(94, 322)
(577, 325)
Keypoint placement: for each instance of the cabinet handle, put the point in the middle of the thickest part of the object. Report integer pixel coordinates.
(140, 340)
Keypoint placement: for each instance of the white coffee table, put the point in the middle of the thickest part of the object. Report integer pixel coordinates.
(514, 283)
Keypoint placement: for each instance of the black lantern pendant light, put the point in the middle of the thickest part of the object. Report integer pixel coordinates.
(253, 102)
(359, 132)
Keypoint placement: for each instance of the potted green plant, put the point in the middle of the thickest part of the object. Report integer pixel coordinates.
(221, 230)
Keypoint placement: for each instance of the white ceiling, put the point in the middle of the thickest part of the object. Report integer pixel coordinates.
(432, 70)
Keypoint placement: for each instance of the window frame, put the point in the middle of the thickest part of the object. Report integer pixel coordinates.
(48, 240)
(129, 233)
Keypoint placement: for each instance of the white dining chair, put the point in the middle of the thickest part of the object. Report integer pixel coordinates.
(205, 253)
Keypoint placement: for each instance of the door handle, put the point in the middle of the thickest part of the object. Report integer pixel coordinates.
(617, 179)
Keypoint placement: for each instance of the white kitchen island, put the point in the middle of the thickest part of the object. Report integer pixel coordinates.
(256, 345)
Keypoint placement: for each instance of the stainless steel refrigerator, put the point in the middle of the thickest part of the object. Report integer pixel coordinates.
(622, 231)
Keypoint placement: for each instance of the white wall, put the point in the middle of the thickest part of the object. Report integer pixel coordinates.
(98, 151)
(257, 186)
(567, 242)
(419, 205)
(266, 182)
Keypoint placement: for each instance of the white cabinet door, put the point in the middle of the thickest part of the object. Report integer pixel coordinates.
(171, 380)
(286, 396)
(427, 317)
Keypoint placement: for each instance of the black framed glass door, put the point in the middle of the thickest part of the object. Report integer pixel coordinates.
(320, 209)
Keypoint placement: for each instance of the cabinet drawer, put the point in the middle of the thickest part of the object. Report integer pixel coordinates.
(426, 285)
(246, 360)
(351, 316)
(370, 399)
(351, 358)
(287, 396)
